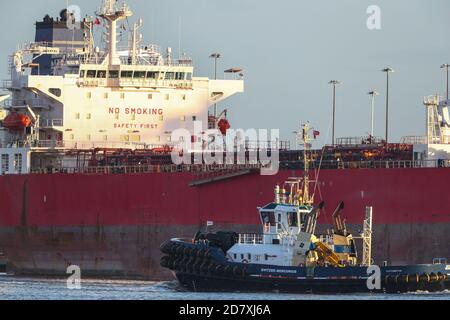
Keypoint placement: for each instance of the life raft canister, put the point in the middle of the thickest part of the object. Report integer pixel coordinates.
(16, 121)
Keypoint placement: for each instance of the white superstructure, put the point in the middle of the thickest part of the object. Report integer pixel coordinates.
(131, 97)
(435, 145)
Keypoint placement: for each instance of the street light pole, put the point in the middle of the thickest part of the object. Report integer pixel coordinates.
(388, 71)
(334, 83)
(446, 66)
(372, 93)
(215, 56)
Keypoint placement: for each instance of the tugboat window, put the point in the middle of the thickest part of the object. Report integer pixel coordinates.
(268, 217)
(292, 219)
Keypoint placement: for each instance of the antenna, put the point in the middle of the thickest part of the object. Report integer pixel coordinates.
(112, 13)
(179, 37)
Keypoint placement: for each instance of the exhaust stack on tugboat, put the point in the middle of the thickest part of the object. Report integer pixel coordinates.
(288, 256)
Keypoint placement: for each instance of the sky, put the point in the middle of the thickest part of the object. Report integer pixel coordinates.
(290, 50)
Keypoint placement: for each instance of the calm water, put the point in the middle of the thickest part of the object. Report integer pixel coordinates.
(14, 288)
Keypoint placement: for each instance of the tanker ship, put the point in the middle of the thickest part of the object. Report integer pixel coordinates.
(86, 160)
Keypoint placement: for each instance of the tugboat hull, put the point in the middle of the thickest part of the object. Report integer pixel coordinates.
(203, 268)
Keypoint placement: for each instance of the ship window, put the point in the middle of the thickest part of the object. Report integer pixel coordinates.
(189, 76)
(122, 95)
(161, 118)
(105, 138)
(113, 74)
(5, 163)
(167, 97)
(242, 256)
(101, 74)
(135, 138)
(183, 118)
(194, 118)
(88, 95)
(88, 116)
(158, 138)
(249, 256)
(82, 72)
(88, 137)
(268, 217)
(91, 73)
(179, 76)
(133, 116)
(139, 74)
(105, 95)
(126, 74)
(55, 91)
(169, 139)
(125, 138)
(292, 219)
(150, 96)
(235, 256)
(170, 75)
(77, 116)
(18, 163)
(152, 75)
(71, 136)
(183, 97)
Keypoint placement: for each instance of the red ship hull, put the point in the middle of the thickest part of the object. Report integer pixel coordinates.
(113, 224)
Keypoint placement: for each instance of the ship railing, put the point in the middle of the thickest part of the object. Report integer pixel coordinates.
(356, 141)
(367, 164)
(50, 123)
(7, 84)
(208, 171)
(251, 238)
(266, 145)
(124, 169)
(414, 140)
(33, 103)
(47, 144)
(122, 82)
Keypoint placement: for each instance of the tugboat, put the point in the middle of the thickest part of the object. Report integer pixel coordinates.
(289, 257)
